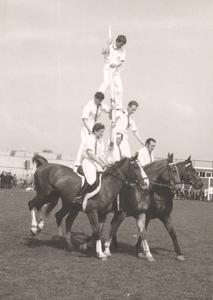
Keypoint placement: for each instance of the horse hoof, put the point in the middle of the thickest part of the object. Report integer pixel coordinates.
(32, 233)
(38, 229)
(104, 258)
(180, 257)
(140, 255)
(150, 259)
(101, 256)
(107, 253)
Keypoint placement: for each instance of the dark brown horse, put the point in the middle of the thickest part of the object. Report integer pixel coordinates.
(162, 172)
(160, 204)
(54, 181)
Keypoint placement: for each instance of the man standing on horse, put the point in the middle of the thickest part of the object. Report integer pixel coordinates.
(146, 154)
(124, 121)
(91, 115)
(93, 159)
(115, 150)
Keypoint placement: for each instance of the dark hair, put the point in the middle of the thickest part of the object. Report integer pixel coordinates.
(133, 103)
(121, 38)
(148, 141)
(97, 127)
(99, 95)
(120, 134)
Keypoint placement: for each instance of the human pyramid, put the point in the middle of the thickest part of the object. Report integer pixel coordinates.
(92, 155)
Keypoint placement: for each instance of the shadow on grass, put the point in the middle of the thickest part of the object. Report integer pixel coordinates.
(128, 249)
(78, 239)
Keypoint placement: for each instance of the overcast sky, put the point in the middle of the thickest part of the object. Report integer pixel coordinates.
(51, 65)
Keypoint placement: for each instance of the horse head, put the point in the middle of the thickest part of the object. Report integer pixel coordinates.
(188, 174)
(173, 173)
(39, 160)
(130, 171)
(164, 173)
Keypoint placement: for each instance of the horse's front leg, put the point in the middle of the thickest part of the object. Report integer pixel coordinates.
(115, 223)
(69, 222)
(94, 221)
(140, 221)
(59, 217)
(169, 227)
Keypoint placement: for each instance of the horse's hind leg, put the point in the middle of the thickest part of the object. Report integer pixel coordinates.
(169, 227)
(40, 218)
(140, 221)
(32, 208)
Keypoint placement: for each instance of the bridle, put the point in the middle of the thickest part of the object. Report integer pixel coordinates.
(172, 181)
(189, 172)
(121, 177)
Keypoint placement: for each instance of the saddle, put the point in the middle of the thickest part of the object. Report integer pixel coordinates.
(93, 187)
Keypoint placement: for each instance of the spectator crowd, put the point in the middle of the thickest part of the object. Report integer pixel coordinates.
(192, 194)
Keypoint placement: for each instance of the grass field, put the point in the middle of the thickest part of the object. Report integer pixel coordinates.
(39, 268)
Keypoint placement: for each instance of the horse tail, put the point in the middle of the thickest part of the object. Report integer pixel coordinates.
(50, 207)
(39, 160)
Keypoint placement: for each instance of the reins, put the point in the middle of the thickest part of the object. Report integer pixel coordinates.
(172, 183)
(187, 172)
(122, 178)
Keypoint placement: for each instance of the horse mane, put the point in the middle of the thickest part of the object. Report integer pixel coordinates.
(116, 165)
(39, 160)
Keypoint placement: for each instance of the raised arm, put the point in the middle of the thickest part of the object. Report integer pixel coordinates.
(106, 47)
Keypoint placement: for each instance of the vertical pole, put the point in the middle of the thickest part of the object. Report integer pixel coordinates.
(208, 195)
(111, 82)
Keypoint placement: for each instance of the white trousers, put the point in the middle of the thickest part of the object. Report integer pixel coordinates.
(79, 157)
(117, 85)
(90, 169)
(125, 145)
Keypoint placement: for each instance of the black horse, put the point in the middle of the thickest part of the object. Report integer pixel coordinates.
(164, 172)
(160, 205)
(54, 181)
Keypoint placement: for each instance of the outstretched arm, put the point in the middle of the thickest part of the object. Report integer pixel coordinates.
(85, 121)
(138, 137)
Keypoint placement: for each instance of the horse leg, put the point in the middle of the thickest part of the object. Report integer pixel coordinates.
(32, 207)
(59, 217)
(139, 244)
(69, 222)
(40, 218)
(94, 221)
(33, 229)
(169, 227)
(115, 223)
(140, 221)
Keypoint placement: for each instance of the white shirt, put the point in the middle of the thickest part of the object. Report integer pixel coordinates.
(114, 56)
(145, 157)
(114, 154)
(121, 120)
(90, 111)
(95, 145)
